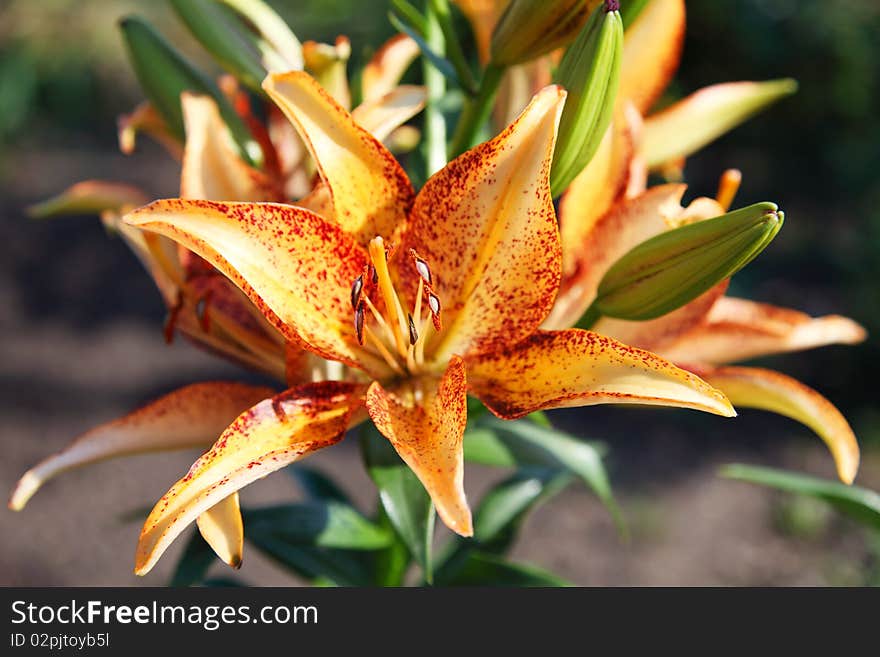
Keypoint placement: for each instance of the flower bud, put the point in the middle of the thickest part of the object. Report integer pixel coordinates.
(590, 72)
(530, 28)
(673, 268)
(164, 74)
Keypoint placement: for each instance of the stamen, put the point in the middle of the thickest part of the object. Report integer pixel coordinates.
(413, 334)
(356, 289)
(374, 275)
(171, 319)
(202, 308)
(728, 186)
(383, 350)
(386, 287)
(434, 305)
(421, 267)
(389, 334)
(359, 322)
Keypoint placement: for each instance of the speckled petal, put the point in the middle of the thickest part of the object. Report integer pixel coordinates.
(222, 528)
(651, 52)
(486, 225)
(738, 329)
(555, 369)
(265, 438)
(370, 191)
(387, 66)
(751, 387)
(212, 169)
(192, 416)
(427, 434)
(294, 265)
(627, 224)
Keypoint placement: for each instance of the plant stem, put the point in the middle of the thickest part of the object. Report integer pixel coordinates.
(435, 123)
(440, 9)
(476, 111)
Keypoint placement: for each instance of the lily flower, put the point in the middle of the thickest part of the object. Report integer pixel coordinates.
(713, 329)
(419, 299)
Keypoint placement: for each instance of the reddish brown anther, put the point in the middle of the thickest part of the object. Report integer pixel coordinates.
(413, 334)
(359, 322)
(422, 267)
(356, 289)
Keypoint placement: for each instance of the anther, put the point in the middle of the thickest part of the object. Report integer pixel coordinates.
(422, 267)
(359, 322)
(413, 334)
(374, 275)
(356, 289)
(434, 305)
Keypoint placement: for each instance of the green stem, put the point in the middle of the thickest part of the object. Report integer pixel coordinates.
(440, 9)
(589, 318)
(435, 123)
(476, 111)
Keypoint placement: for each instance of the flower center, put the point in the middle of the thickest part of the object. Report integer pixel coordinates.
(385, 328)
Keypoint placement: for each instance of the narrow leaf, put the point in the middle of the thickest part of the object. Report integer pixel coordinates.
(489, 570)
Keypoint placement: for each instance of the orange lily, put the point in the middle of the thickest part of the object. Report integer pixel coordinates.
(480, 240)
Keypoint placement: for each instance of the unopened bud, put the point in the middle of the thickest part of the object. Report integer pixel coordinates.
(673, 268)
(530, 28)
(590, 72)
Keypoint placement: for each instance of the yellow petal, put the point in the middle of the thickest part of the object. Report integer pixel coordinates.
(425, 421)
(651, 52)
(370, 191)
(146, 119)
(486, 225)
(89, 197)
(555, 369)
(328, 65)
(222, 528)
(294, 265)
(771, 391)
(626, 225)
(265, 438)
(212, 169)
(738, 329)
(192, 416)
(383, 114)
(685, 127)
(592, 193)
(387, 66)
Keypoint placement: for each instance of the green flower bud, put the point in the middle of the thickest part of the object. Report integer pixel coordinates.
(164, 74)
(590, 72)
(530, 28)
(673, 268)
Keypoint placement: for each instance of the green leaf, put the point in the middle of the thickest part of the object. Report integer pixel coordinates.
(402, 496)
(317, 485)
(164, 74)
(194, 563)
(224, 39)
(440, 63)
(413, 17)
(518, 443)
(489, 570)
(223, 582)
(860, 503)
(319, 523)
(391, 563)
(339, 567)
(278, 43)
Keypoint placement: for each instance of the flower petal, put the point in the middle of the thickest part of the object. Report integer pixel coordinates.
(555, 369)
(89, 197)
(387, 66)
(212, 169)
(269, 436)
(651, 52)
(370, 191)
(485, 223)
(425, 423)
(685, 127)
(771, 391)
(294, 265)
(592, 193)
(222, 528)
(616, 232)
(192, 416)
(382, 115)
(655, 333)
(738, 329)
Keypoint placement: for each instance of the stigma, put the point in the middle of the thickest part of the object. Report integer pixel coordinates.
(382, 324)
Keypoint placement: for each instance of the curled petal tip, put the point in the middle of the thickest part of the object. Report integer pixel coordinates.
(24, 490)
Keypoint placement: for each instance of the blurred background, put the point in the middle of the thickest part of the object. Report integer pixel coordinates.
(81, 323)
